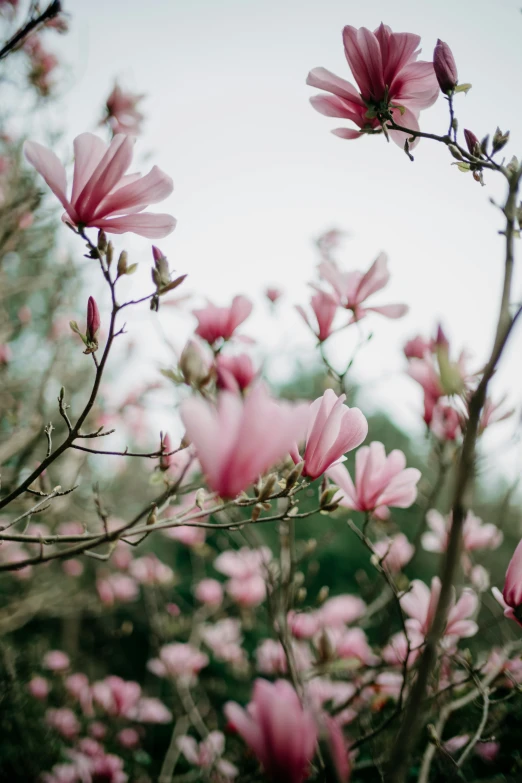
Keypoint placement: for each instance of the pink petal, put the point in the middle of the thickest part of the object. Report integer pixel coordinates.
(49, 167)
(513, 585)
(106, 175)
(145, 224)
(88, 152)
(363, 53)
(347, 133)
(390, 311)
(154, 187)
(326, 80)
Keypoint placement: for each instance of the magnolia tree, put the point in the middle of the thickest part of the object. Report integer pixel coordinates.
(250, 668)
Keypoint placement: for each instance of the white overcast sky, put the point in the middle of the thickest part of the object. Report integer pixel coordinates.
(258, 175)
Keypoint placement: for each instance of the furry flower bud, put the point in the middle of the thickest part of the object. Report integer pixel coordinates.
(445, 67)
(93, 320)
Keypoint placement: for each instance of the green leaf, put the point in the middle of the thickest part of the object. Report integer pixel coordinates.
(463, 88)
(131, 269)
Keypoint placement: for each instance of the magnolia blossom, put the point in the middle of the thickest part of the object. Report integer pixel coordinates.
(246, 570)
(494, 412)
(445, 67)
(220, 323)
(207, 754)
(122, 112)
(511, 597)
(149, 570)
(324, 306)
(446, 422)
(117, 697)
(234, 373)
(210, 592)
(151, 710)
(341, 610)
(333, 429)
(390, 80)
(103, 196)
(420, 604)
(395, 552)
(352, 289)
(224, 638)
(351, 643)
(56, 661)
(178, 660)
(240, 439)
(64, 721)
(273, 294)
(117, 588)
(39, 687)
(475, 533)
(271, 657)
(402, 647)
(380, 481)
(417, 347)
(278, 729)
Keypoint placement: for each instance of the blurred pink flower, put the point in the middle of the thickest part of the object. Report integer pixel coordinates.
(103, 196)
(247, 571)
(64, 721)
(351, 643)
(352, 289)
(341, 610)
(115, 588)
(271, 658)
(475, 533)
(417, 347)
(109, 769)
(224, 638)
(77, 685)
(333, 429)
(492, 413)
(178, 660)
(151, 710)
(396, 651)
(278, 729)
(73, 567)
(149, 570)
(389, 79)
(207, 753)
(128, 738)
(488, 751)
(511, 597)
(210, 592)
(394, 552)
(234, 373)
(380, 481)
(303, 625)
(420, 604)
(445, 422)
(273, 294)
(454, 744)
(39, 688)
(220, 323)
(117, 697)
(238, 440)
(122, 112)
(56, 661)
(324, 306)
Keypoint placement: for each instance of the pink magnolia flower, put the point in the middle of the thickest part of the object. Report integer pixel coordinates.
(454, 744)
(420, 604)
(122, 112)
(247, 592)
(511, 597)
(341, 610)
(103, 196)
(394, 552)
(493, 412)
(380, 481)
(243, 563)
(352, 643)
(273, 294)
(116, 697)
(390, 81)
(77, 685)
(220, 323)
(108, 768)
(475, 533)
(278, 729)
(397, 649)
(488, 751)
(352, 289)
(56, 661)
(116, 588)
(210, 592)
(151, 710)
(417, 348)
(446, 422)
(325, 307)
(425, 373)
(149, 570)
(234, 373)
(39, 688)
(240, 439)
(207, 754)
(224, 638)
(178, 660)
(128, 738)
(271, 657)
(333, 429)
(64, 721)
(303, 625)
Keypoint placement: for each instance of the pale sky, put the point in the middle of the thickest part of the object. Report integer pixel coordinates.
(258, 174)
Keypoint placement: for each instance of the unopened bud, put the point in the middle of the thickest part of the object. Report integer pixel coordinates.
(472, 142)
(294, 475)
(102, 241)
(445, 67)
(455, 152)
(323, 594)
(326, 501)
(199, 500)
(433, 737)
(157, 254)
(165, 460)
(192, 364)
(267, 487)
(93, 324)
(499, 140)
(109, 253)
(324, 648)
(122, 263)
(153, 516)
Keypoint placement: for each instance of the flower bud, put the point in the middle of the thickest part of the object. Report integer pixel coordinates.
(157, 254)
(445, 67)
(165, 460)
(472, 142)
(499, 140)
(192, 364)
(93, 321)
(122, 263)
(102, 241)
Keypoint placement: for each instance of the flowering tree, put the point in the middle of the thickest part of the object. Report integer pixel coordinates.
(248, 668)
